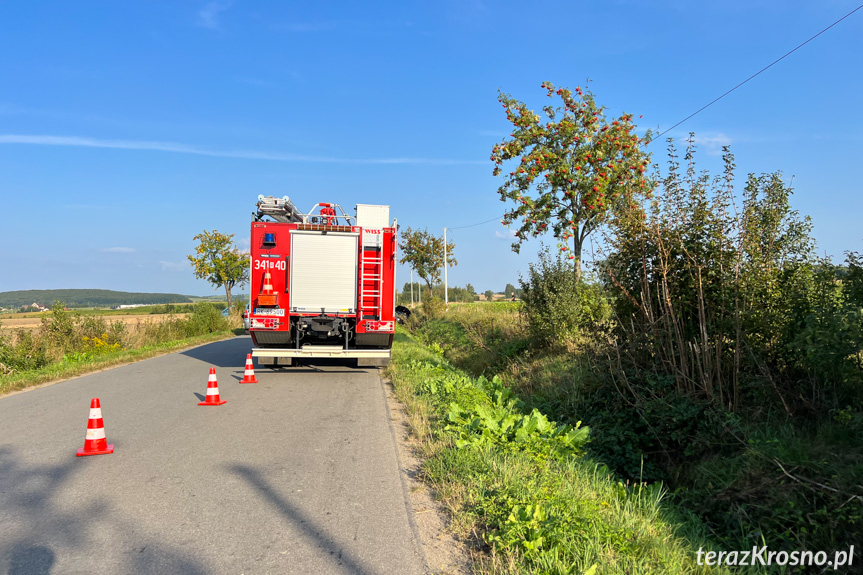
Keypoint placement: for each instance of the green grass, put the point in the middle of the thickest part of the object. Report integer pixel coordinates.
(67, 369)
(480, 338)
(528, 507)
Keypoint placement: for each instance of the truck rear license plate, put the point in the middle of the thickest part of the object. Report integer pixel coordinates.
(269, 311)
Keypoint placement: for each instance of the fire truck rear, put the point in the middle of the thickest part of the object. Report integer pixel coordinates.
(322, 283)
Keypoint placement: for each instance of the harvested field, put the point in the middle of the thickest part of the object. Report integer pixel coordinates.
(33, 323)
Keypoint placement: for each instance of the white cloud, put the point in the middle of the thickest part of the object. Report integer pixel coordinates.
(118, 250)
(504, 235)
(174, 266)
(208, 16)
(75, 141)
(712, 145)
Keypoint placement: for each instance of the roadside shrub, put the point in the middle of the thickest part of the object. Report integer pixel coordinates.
(205, 318)
(433, 307)
(558, 309)
(93, 326)
(58, 330)
(21, 352)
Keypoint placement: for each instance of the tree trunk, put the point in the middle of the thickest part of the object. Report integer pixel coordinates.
(228, 294)
(576, 250)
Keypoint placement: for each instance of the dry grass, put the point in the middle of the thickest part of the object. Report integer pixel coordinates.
(30, 322)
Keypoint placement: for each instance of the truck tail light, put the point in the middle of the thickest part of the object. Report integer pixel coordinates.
(264, 323)
(379, 325)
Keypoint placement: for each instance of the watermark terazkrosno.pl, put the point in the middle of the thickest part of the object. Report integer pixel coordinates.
(763, 556)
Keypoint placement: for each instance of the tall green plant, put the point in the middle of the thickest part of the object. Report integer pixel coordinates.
(723, 299)
(670, 263)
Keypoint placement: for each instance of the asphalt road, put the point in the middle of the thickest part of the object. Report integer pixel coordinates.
(295, 474)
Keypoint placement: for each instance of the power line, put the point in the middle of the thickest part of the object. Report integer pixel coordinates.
(477, 224)
(759, 72)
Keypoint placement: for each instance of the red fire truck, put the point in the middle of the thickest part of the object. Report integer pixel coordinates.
(322, 283)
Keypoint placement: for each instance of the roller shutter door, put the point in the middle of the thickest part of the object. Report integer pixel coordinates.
(323, 272)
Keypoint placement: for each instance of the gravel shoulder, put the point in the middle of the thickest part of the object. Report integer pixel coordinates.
(444, 554)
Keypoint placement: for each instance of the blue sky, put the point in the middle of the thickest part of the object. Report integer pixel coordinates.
(127, 128)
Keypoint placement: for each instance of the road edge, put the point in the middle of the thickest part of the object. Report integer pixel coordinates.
(442, 552)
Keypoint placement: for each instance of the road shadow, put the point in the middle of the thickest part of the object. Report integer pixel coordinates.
(231, 353)
(320, 364)
(225, 353)
(27, 559)
(345, 560)
(27, 492)
(46, 530)
(152, 560)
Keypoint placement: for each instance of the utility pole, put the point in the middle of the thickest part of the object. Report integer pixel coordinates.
(412, 287)
(445, 285)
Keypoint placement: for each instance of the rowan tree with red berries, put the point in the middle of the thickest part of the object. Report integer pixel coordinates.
(574, 171)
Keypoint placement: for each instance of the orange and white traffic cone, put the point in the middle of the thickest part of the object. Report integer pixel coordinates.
(268, 295)
(94, 440)
(249, 373)
(268, 284)
(213, 390)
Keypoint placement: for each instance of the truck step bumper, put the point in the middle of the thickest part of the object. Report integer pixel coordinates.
(323, 351)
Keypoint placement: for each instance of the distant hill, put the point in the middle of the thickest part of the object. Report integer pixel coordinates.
(85, 298)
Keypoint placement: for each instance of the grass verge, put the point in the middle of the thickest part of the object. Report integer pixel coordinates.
(66, 369)
(519, 487)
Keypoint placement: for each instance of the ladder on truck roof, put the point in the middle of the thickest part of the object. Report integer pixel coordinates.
(280, 209)
(284, 211)
(371, 282)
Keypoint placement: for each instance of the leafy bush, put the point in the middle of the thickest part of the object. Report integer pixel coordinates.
(501, 422)
(558, 308)
(205, 318)
(433, 307)
(22, 352)
(59, 330)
